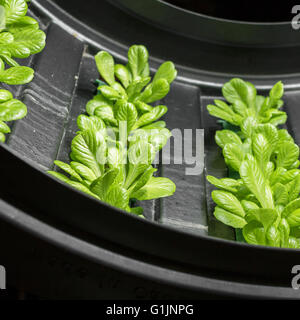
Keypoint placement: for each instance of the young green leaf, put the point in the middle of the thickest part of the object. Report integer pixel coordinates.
(135, 88)
(292, 213)
(228, 201)
(4, 128)
(147, 118)
(137, 60)
(254, 233)
(155, 125)
(255, 181)
(68, 169)
(166, 71)
(5, 95)
(276, 117)
(16, 75)
(287, 154)
(288, 175)
(118, 197)
(109, 92)
(273, 236)
(237, 89)
(229, 218)
(101, 185)
(284, 229)
(6, 37)
(226, 184)
(106, 66)
(8, 60)
(225, 113)
(106, 113)
(262, 150)
(248, 207)
(26, 42)
(234, 155)
(84, 150)
(142, 107)
(90, 123)
(293, 188)
(155, 188)
(127, 112)
(23, 23)
(142, 180)
(284, 136)
(294, 243)
(265, 216)
(276, 92)
(248, 126)
(123, 74)
(85, 172)
(159, 89)
(118, 87)
(159, 138)
(97, 101)
(280, 193)
(260, 104)
(269, 132)
(14, 10)
(12, 110)
(141, 152)
(227, 136)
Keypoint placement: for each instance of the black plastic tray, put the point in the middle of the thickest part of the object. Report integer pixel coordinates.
(181, 248)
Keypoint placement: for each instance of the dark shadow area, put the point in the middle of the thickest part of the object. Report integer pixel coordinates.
(255, 11)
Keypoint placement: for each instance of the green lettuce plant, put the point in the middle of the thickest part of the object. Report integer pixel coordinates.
(119, 137)
(20, 37)
(261, 196)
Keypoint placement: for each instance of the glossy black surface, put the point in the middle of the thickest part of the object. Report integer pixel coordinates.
(255, 11)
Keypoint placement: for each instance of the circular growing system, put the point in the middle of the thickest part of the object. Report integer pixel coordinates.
(83, 248)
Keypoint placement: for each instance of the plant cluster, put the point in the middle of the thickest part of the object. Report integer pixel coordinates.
(261, 196)
(20, 37)
(119, 137)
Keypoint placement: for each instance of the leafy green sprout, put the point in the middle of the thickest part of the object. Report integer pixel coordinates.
(20, 37)
(263, 200)
(117, 168)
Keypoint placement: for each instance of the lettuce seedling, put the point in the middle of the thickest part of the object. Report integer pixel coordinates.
(120, 135)
(263, 200)
(20, 37)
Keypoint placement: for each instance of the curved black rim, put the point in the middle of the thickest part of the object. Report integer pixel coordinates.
(198, 62)
(147, 270)
(192, 252)
(212, 29)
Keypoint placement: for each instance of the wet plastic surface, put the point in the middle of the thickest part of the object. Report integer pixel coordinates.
(63, 83)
